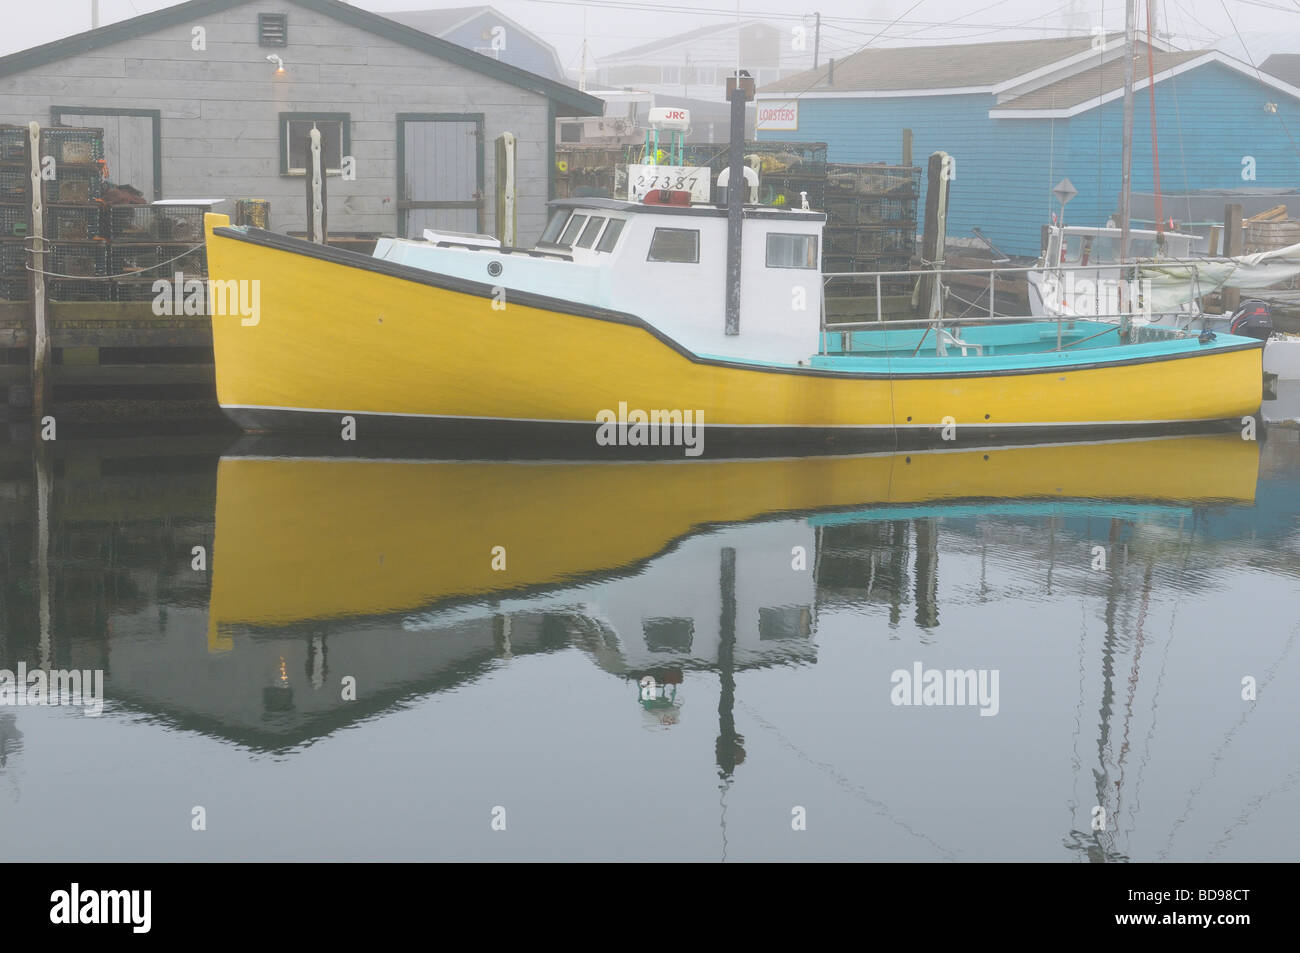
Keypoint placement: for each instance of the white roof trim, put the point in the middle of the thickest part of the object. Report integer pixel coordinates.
(1212, 56)
(823, 93)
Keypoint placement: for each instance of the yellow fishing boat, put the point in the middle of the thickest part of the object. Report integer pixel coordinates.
(616, 330)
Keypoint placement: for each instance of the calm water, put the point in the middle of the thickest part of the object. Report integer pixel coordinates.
(497, 620)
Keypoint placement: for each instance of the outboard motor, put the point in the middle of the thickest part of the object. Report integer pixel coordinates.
(1254, 319)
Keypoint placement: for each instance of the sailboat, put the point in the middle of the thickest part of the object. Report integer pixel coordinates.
(1157, 277)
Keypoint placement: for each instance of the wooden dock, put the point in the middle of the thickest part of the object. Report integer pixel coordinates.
(107, 350)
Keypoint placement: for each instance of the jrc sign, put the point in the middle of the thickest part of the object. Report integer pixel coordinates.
(778, 116)
(665, 118)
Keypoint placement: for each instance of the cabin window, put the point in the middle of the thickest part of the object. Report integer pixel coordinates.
(589, 233)
(572, 230)
(675, 244)
(554, 227)
(791, 251)
(335, 141)
(610, 238)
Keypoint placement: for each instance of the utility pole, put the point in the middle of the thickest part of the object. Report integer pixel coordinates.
(582, 76)
(1126, 152)
(817, 38)
(94, 14)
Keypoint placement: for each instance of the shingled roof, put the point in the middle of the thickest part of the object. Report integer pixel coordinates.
(1092, 83)
(952, 66)
(568, 100)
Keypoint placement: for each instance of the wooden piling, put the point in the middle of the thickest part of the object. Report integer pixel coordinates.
(933, 238)
(42, 353)
(317, 220)
(506, 191)
(1232, 246)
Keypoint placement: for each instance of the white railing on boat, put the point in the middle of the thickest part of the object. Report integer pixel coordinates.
(993, 272)
(992, 317)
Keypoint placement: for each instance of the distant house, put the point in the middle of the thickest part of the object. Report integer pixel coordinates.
(627, 114)
(214, 99)
(695, 64)
(489, 32)
(1020, 116)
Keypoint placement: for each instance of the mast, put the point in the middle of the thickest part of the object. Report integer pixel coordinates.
(1126, 156)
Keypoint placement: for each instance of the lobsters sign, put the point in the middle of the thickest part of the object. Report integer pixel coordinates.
(777, 116)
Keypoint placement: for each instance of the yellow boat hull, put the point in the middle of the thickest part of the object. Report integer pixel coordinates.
(338, 335)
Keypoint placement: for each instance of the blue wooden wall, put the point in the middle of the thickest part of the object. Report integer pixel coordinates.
(522, 49)
(1208, 119)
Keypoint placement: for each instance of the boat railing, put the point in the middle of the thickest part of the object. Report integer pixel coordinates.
(990, 315)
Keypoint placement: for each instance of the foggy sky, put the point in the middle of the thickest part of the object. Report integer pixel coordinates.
(1267, 26)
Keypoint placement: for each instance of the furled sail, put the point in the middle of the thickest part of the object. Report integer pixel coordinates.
(1174, 283)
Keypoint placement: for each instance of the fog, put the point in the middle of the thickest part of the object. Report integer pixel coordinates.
(1265, 26)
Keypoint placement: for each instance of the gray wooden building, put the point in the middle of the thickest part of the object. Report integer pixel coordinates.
(214, 98)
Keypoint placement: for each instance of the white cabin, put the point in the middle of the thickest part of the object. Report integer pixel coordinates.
(666, 264)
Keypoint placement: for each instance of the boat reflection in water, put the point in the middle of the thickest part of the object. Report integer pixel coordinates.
(416, 575)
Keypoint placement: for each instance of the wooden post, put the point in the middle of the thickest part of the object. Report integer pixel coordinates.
(44, 497)
(1232, 246)
(907, 147)
(42, 353)
(933, 238)
(1216, 237)
(506, 218)
(317, 220)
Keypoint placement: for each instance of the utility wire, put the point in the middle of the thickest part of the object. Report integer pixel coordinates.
(1258, 74)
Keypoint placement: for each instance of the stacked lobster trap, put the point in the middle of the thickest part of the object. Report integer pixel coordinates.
(149, 242)
(93, 251)
(15, 212)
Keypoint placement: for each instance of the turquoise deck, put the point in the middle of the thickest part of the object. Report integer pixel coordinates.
(1005, 347)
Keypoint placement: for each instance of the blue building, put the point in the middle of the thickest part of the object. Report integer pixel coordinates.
(489, 32)
(1020, 116)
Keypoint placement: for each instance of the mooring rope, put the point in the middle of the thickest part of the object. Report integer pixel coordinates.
(125, 274)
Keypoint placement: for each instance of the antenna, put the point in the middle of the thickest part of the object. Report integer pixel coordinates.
(582, 76)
